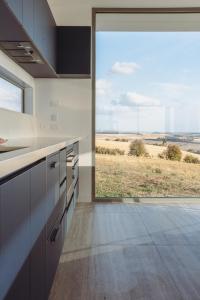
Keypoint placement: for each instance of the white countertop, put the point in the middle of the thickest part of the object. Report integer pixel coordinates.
(36, 149)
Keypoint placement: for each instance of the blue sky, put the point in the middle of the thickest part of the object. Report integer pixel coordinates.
(10, 96)
(148, 81)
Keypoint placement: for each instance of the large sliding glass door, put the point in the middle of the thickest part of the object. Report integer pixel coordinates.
(147, 106)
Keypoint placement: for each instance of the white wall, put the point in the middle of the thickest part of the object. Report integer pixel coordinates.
(13, 124)
(78, 92)
(63, 108)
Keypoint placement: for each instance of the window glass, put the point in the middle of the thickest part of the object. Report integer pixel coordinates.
(11, 96)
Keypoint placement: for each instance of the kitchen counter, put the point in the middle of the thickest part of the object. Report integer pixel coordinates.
(35, 149)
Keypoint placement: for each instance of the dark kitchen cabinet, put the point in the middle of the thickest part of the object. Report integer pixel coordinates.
(62, 165)
(28, 17)
(45, 31)
(20, 289)
(54, 243)
(15, 229)
(38, 200)
(74, 51)
(30, 21)
(17, 7)
(37, 269)
(53, 182)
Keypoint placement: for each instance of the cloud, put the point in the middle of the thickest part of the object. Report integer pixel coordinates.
(174, 89)
(103, 87)
(124, 68)
(134, 99)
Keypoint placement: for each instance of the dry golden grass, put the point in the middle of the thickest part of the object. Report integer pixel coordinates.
(151, 149)
(124, 176)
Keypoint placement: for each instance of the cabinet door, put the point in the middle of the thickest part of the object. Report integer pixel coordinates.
(16, 7)
(38, 202)
(37, 269)
(54, 245)
(45, 31)
(53, 182)
(15, 229)
(21, 287)
(74, 50)
(28, 17)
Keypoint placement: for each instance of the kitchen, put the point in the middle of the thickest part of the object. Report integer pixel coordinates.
(47, 162)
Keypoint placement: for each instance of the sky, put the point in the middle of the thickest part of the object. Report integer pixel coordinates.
(148, 81)
(10, 96)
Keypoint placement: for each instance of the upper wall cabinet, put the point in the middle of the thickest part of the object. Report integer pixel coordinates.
(28, 16)
(29, 21)
(74, 51)
(45, 31)
(17, 7)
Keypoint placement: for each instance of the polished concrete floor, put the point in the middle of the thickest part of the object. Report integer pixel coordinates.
(129, 252)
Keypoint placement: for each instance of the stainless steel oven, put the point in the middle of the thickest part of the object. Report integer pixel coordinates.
(72, 172)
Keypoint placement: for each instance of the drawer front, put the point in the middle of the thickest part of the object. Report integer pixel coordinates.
(53, 182)
(76, 148)
(62, 165)
(76, 193)
(63, 188)
(69, 148)
(54, 245)
(76, 172)
(70, 212)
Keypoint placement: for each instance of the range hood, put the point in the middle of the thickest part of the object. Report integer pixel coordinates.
(22, 52)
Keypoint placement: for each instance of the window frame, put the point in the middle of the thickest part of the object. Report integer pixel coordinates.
(107, 10)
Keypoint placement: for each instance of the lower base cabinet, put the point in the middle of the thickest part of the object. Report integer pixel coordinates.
(54, 244)
(20, 288)
(37, 233)
(37, 269)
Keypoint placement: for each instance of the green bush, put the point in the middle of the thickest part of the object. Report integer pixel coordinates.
(191, 159)
(110, 151)
(137, 148)
(173, 152)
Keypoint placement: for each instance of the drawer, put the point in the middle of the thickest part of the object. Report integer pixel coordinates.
(63, 188)
(70, 213)
(76, 193)
(69, 148)
(53, 182)
(56, 214)
(62, 165)
(54, 245)
(76, 172)
(76, 148)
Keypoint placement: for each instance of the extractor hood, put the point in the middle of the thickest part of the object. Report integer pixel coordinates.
(22, 52)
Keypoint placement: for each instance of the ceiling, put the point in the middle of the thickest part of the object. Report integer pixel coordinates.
(78, 12)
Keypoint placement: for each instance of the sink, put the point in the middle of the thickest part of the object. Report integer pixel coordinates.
(4, 149)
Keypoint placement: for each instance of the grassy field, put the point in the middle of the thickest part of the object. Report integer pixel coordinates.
(125, 176)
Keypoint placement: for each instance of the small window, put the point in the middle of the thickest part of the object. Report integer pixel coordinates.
(11, 96)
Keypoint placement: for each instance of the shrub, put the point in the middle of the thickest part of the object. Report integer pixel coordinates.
(110, 151)
(162, 155)
(191, 159)
(137, 148)
(157, 171)
(173, 152)
(121, 140)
